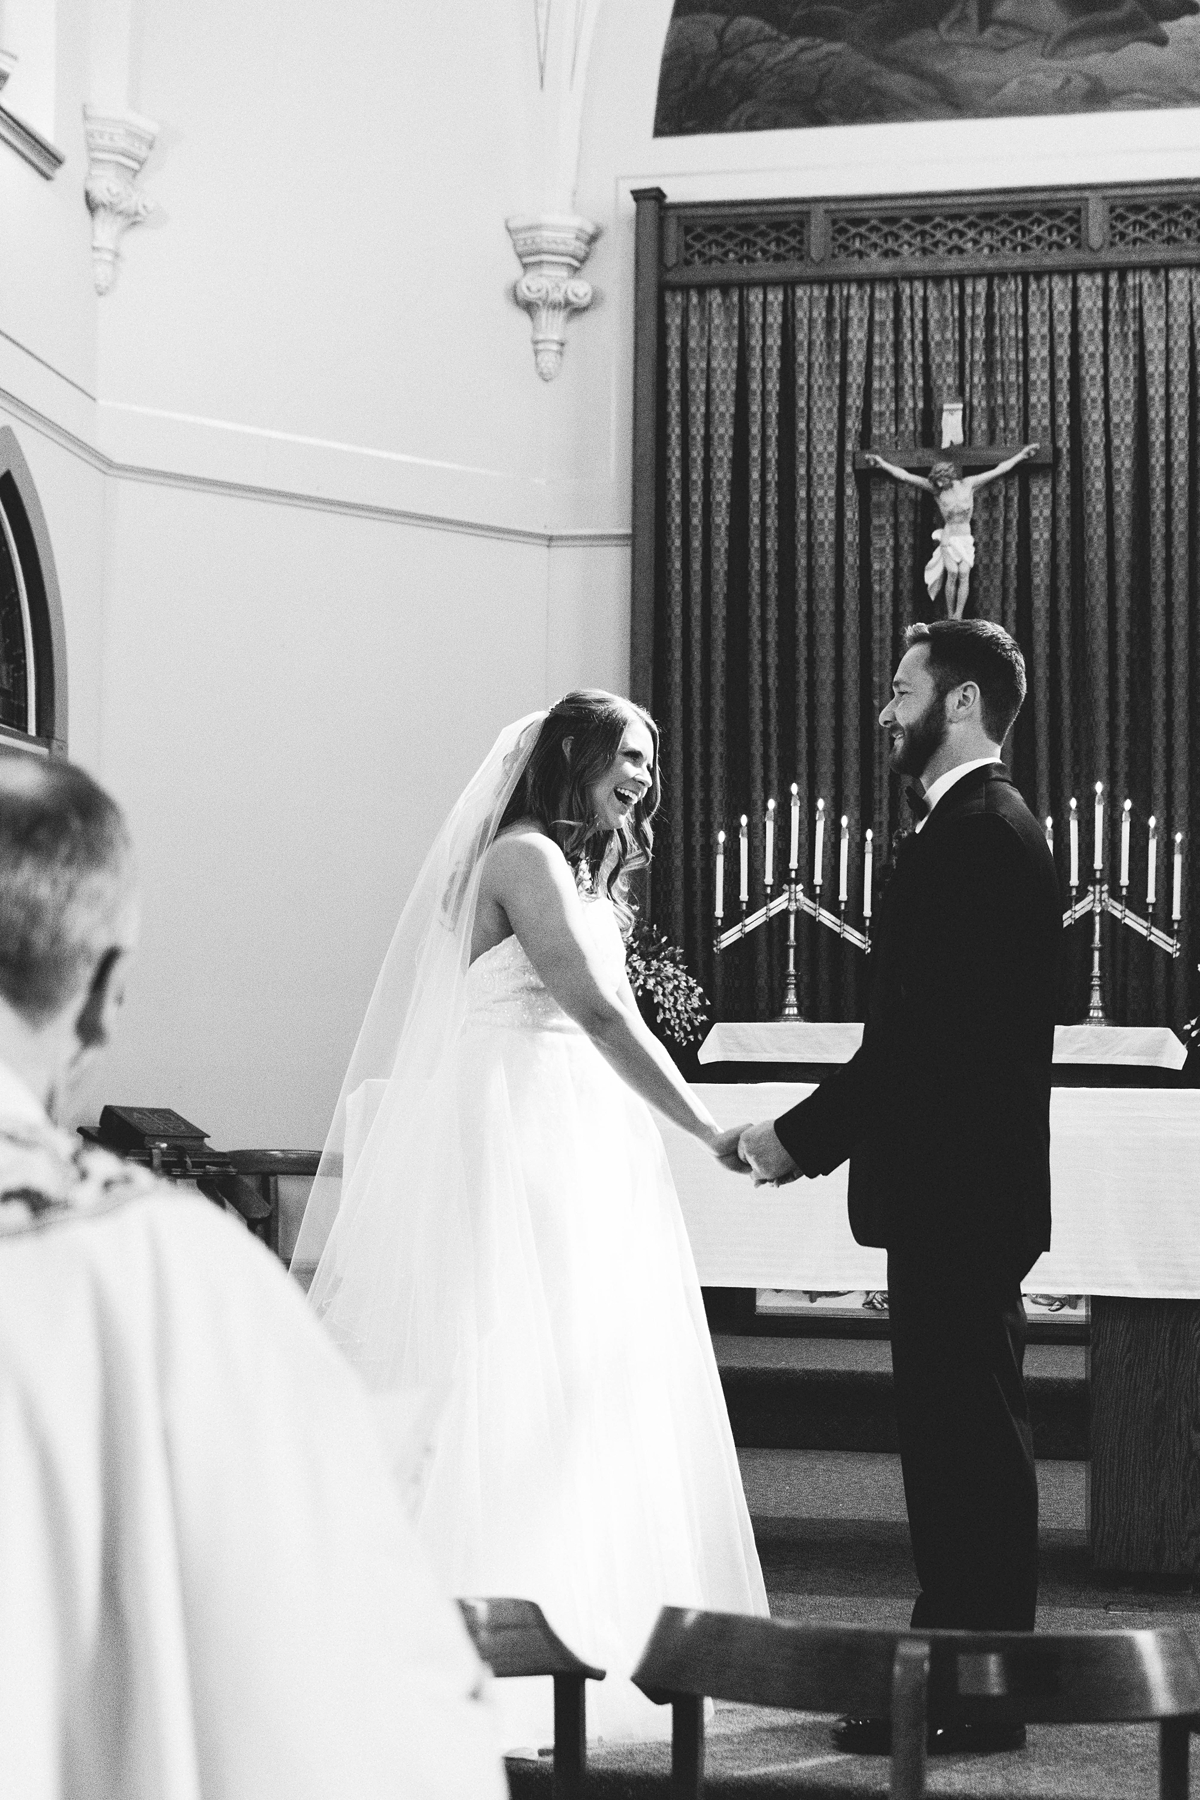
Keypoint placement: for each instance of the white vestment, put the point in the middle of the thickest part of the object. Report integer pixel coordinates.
(210, 1591)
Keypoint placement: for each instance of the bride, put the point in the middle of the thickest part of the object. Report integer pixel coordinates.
(505, 1234)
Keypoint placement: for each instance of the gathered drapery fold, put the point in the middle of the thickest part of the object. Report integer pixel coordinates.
(787, 577)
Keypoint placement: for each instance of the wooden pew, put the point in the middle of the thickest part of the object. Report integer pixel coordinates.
(514, 1638)
(908, 1676)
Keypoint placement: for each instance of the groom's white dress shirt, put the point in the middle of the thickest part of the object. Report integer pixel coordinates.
(937, 790)
(209, 1589)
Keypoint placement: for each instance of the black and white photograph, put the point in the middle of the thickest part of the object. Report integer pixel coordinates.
(599, 819)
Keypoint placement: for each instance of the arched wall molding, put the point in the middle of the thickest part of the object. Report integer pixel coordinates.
(32, 538)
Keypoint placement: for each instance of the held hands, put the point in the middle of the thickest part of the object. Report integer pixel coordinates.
(724, 1146)
(754, 1150)
(769, 1162)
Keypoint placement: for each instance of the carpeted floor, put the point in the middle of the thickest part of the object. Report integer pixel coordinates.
(831, 1532)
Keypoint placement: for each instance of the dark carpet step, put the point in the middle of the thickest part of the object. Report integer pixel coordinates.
(802, 1394)
(753, 1754)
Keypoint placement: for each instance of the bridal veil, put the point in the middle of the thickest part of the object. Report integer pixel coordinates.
(413, 1019)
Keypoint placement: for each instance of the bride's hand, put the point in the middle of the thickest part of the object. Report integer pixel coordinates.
(724, 1146)
(771, 1164)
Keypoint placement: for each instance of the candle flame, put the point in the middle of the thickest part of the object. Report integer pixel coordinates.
(1127, 805)
(845, 819)
(770, 806)
(870, 834)
(1153, 821)
(744, 821)
(720, 837)
(795, 789)
(1099, 788)
(1074, 804)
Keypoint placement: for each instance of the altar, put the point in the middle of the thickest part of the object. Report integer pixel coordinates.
(1124, 1164)
(1125, 1168)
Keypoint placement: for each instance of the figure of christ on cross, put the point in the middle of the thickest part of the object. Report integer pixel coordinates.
(954, 494)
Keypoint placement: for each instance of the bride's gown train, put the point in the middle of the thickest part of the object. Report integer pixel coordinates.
(547, 1295)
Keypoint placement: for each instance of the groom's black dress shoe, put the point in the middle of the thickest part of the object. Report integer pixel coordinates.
(873, 1737)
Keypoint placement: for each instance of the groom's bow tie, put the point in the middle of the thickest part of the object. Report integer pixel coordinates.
(917, 801)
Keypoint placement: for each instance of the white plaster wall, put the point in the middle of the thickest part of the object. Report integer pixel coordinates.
(320, 302)
(47, 306)
(291, 699)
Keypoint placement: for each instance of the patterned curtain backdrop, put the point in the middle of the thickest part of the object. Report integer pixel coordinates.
(787, 579)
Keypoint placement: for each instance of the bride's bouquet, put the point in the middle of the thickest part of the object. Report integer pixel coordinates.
(657, 973)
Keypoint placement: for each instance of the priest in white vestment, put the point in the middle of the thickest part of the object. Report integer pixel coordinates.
(209, 1589)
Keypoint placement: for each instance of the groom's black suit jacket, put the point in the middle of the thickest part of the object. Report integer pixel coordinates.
(945, 1110)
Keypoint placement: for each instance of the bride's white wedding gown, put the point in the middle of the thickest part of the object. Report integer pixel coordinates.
(583, 1456)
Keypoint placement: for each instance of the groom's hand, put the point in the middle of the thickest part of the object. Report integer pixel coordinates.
(725, 1149)
(767, 1157)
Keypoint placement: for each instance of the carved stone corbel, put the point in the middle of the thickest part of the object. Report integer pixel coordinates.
(552, 248)
(118, 145)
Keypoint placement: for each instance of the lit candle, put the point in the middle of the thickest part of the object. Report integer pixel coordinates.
(868, 858)
(1177, 891)
(769, 855)
(744, 850)
(1098, 846)
(719, 906)
(1151, 862)
(1125, 844)
(819, 847)
(1074, 844)
(794, 850)
(844, 862)
(1050, 834)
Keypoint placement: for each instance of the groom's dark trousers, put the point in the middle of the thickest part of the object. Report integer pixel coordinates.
(945, 1116)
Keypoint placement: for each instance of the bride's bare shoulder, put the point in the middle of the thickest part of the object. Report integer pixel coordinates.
(523, 848)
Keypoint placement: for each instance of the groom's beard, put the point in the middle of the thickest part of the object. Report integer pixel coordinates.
(912, 752)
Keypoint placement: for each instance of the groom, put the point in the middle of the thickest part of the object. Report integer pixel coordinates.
(945, 1116)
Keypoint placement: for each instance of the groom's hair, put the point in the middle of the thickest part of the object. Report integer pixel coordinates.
(975, 650)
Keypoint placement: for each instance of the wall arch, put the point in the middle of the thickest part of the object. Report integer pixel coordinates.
(30, 541)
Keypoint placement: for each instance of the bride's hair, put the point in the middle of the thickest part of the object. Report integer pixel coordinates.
(576, 747)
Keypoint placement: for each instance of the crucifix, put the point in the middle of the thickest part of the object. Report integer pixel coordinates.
(948, 570)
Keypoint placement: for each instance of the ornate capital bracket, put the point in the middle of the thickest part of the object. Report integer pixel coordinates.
(118, 145)
(552, 248)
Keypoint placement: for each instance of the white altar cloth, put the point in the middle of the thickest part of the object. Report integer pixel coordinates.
(814, 1041)
(1125, 1169)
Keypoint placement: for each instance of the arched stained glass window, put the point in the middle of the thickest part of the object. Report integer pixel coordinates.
(18, 689)
(32, 642)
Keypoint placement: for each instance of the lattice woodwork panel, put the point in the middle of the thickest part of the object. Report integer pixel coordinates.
(1154, 224)
(713, 241)
(966, 233)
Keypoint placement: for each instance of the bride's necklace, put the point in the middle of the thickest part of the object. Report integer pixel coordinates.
(583, 879)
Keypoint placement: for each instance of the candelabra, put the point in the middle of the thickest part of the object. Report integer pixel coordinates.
(791, 898)
(1097, 900)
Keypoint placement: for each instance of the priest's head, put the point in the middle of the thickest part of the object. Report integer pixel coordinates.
(68, 919)
(955, 694)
